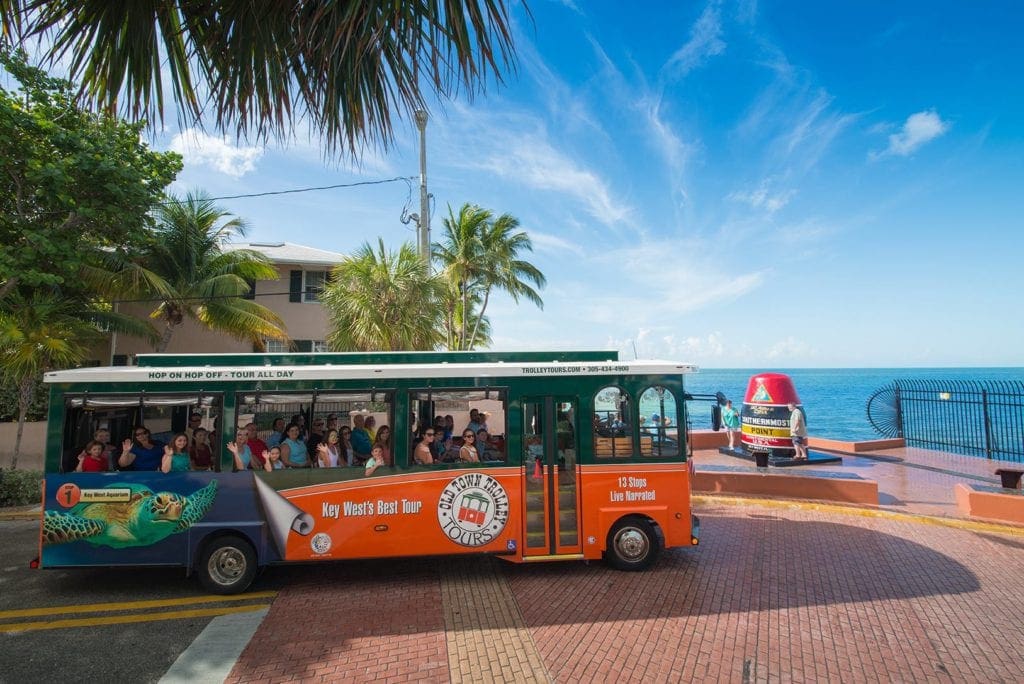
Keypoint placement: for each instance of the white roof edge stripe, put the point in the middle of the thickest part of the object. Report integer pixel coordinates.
(356, 372)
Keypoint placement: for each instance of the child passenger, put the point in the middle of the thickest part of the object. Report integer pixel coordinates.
(272, 459)
(92, 459)
(176, 458)
(376, 459)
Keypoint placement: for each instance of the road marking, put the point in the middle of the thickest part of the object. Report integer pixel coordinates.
(131, 605)
(212, 655)
(955, 523)
(127, 619)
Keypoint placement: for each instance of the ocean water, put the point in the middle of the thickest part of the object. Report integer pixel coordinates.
(834, 399)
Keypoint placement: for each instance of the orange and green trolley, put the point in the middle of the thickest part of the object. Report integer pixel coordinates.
(586, 457)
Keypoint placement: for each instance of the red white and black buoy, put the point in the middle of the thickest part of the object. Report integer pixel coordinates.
(765, 414)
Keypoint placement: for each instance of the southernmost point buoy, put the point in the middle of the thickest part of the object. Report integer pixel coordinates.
(765, 416)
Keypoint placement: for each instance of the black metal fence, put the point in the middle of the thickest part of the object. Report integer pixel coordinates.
(964, 416)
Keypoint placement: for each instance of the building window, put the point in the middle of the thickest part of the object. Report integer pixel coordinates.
(282, 347)
(276, 346)
(313, 285)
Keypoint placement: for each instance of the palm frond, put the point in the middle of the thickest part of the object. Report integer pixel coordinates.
(346, 67)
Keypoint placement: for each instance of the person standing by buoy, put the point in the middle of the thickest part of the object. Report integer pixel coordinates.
(731, 421)
(798, 430)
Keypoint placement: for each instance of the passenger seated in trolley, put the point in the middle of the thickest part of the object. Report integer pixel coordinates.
(376, 460)
(486, 448)
(422, 453)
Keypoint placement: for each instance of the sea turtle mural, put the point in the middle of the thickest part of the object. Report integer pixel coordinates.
(144, 519)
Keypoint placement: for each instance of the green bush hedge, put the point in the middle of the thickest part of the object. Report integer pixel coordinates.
(19, 487)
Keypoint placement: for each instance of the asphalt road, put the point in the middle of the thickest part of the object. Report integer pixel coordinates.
(85, 651)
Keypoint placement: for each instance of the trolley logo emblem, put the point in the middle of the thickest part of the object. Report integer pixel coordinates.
(321, 543)
(473, 509)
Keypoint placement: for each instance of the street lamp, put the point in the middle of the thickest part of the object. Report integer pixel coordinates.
(423, 225)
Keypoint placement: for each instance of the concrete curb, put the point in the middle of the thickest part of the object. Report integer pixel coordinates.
(20, 513)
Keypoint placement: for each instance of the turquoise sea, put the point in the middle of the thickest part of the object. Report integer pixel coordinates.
(835, 399)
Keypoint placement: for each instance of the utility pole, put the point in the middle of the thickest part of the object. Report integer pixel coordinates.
(423, 225)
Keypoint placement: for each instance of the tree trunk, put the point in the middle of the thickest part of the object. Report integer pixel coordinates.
(8, 286)
(165, 339)
(465, 312)
(25, 392)
(476, 326)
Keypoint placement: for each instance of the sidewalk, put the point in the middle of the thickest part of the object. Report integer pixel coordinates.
(910, 480)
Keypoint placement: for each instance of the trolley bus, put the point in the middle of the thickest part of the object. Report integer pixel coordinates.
(585, 456)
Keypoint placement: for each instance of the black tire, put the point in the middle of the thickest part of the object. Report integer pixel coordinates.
(633, 544)
(227, 565)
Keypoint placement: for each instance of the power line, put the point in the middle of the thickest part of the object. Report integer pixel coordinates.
(197, 298)
(406, 179)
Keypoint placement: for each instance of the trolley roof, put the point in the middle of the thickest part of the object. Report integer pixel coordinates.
(426, 371)
(366, 358)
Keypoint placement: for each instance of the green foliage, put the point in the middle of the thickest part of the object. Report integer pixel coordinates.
(185, 268)
(9, 402)
(20, 487)
(258, 67)
(383, 301)
(480, 254)
(72, 183)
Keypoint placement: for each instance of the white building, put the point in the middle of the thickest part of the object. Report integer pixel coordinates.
(294, 296)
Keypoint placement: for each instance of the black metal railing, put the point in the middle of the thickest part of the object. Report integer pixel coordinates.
(964, 416)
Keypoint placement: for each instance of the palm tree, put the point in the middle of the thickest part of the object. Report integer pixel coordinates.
(343, 66)
(479, 254)
(503, 269)
(453, 312)
(39, 332)
(461, 257)
(186, 269)
(383, 301)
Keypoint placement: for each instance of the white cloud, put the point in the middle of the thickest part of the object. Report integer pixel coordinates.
(531, 160)
(762, 197)
(543, 242)
(695, 282)
(790, 349)
(705, 41)
(918, 129)
(202, 149)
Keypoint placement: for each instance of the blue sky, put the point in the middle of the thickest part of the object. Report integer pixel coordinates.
(757, 185)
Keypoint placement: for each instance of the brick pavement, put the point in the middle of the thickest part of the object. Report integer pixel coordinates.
(775, 592)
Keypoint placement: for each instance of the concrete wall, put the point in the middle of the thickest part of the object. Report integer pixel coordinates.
(33, 442)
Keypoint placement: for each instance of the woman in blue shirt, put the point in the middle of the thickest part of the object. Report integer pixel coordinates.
(143, 454)
(293, 449)
(241, 451)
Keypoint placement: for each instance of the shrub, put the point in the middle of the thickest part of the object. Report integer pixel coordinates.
(19, 487)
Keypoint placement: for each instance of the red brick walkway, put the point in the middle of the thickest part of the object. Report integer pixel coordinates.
(775, 592)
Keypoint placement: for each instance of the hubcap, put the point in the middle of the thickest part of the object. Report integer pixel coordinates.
(226, 565)
(631, 544)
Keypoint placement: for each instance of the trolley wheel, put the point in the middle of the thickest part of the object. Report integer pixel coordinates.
(633, 544)
(227, 565)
